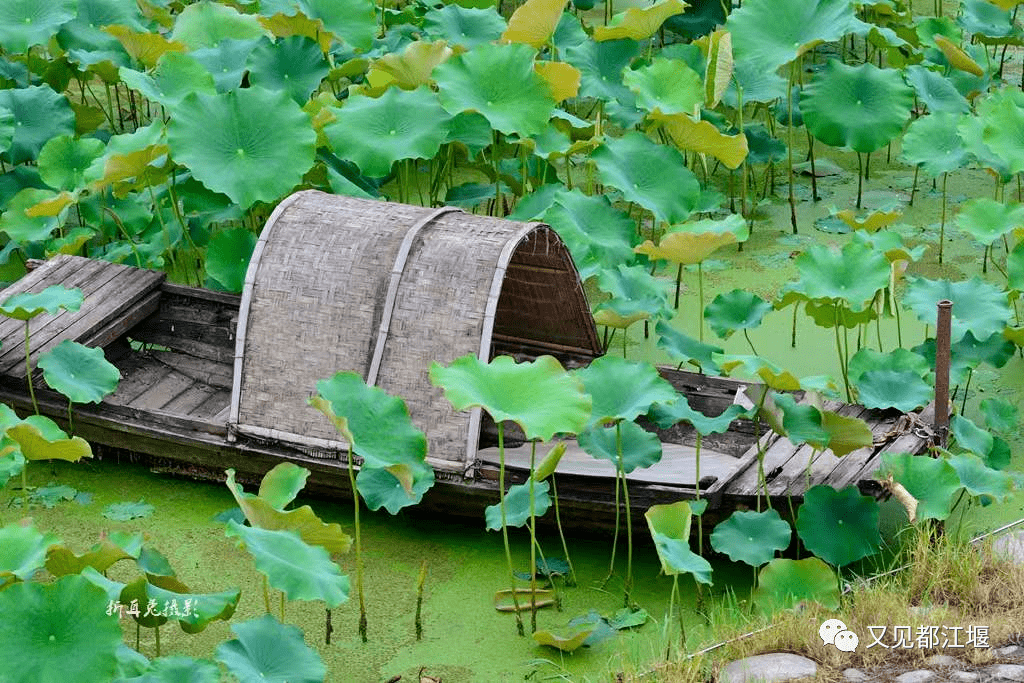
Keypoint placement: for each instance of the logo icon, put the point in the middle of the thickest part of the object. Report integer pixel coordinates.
(834, 632)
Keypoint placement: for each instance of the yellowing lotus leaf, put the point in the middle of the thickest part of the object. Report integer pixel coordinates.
(146, 48)
(298, 24)
(410, 69)
(873, 222)
(641, 24)
(562, 78)
(51, 207)
(684, 247)
(958, 59)
(533, 22)
(718, 72)
(703, 137)
(610, 318)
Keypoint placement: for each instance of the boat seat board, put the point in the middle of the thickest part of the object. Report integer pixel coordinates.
(115, 298)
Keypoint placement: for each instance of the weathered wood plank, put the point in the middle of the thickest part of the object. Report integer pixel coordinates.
(793, 478)
(209, 372)
(845, 472)
(160, 393)
(137, 376)
(190, 399)
(214, 407)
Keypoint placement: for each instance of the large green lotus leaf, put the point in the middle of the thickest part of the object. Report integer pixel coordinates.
(987, 22)
(970, 436)
(937, 93)
(904, 390)
(784, 583)
(770, 374)
(262, 513)
(840, 527)
(60, 560)
(972, 129)
(410, 68)
(853, 275)
(600, 65)
(206, 24)
(251, 144)
(205, 607)
(177, 669)
(933, 142)
(634, 290)
(39, 114)
(931, 481)
(227, 257)
(227, 63)
(799, 422)
(640, 448)
(751, 537)
(666, 415)
(22, 228)
(302, 571)
(686, 349)
(55, 297)
(499, 82)
(124, 511)
(771, 33)
(598, 235)
(353, 21)
(539, 396)
(981, 480)
(639, 23)
(652, 175)
(266, 651)
(670, 528)
(27, 23)
(23, 552)
(735, 310)
(845, 434)
(861, 107)
(380, 488)
(668, 85)
(463, 26)
(52, 633)
(757, 84)
(978, 307)
(63, 160)
(7, 126)
(1000, 414)
(376, 424)
(986, 220)
(11, 460)
(294, 65)
(623, 389)
(376, 132)
(35, 446)
(895, 360)
(281, 484)
(691, 243)
(82, 374)
(1003, 129)
(517, 505)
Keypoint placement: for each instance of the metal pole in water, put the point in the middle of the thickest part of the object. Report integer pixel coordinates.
(942, 341)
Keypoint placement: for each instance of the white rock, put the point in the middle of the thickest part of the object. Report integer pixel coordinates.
(770, 668)
(941, 660)
(855, 675)
(1011, 545)
(964, 677)
(1007, 672)
(1010, 650)
(918, 676)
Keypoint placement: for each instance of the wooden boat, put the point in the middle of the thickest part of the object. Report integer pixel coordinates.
(212, 380)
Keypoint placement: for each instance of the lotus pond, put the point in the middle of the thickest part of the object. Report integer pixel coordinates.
(783, 194)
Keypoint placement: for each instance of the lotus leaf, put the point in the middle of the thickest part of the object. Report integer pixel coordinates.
(986, 220)
(900, 389)
(154, 563)
(934, 143)
(549, 463)
(571, 642)
(735, 310)
(262, 513)
(40, 114)
(469, 195)
(987, 22)
(668, 85)
(1015, 268)
(533, 22)
(638, 23)
(35, 446)
(295, 65)
(381, 488)
(267, 651)
(499, 82)
(771, 33)
(800, 423)
(978, 307)
(598, 235)
(204, 607)
(751, 537)
(853, 275)
(845, 434)
(49, 496)
(227, 63)
(757, 83)
(60, 560)
(251, 144)
(895, 360)
(704, 138)
(146, 48)
(957, 58)
(634, 291)
(22, 228)
(686, 349)
(970, 436)
(281, 484)
(670, 529)
(627, 617)
(931, 481)
(980, 480)
(227, 257)
(539, 395)
(302, 571)
(1003, 130)
(601, 66)
(652, 175)
(622, 389)
(63, 160)
(130, 662)
(27, 23)
(785, 583)
(640, 448)
(517, 505)
(12, 462)
(57, 632)
(22, 552)
(353, 21)
(464, 26)
(413, 67)
(937, 93)
(666, 415)
(563, 79)
(400, 124)
(840, 527)
(82, 374)
(691, 243)
(1000, 414)
(762, 147)
(972, 130)
(593, 619)
(122, 512)
(207, 24)
(177, 669)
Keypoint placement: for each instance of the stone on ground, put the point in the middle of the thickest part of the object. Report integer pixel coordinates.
(918, 676)
(1011, 545)
(964, 677)
(855, 676)
(770, 668)
(1006, 672)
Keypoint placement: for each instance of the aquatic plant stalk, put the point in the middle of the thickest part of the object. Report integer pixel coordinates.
(561, 533)
(629, 524)
(533, 544)
(504, 525)
(28, 370)
(359, 547)
(789, 136)
(419, 600)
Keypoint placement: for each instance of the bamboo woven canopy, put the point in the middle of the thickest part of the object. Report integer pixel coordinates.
(383, 290)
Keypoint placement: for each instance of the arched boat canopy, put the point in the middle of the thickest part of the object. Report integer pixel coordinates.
(381, 289)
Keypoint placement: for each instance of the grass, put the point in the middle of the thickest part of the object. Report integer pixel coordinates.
(946, 582)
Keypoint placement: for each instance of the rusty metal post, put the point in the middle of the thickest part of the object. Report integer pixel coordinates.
(942, 341)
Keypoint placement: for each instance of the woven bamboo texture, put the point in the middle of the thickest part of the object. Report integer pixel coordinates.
(318, 290)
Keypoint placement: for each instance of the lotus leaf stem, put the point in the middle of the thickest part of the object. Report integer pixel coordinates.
(359, 547)
(561, 533)
(789, 136)
(750, 343)
(419, 599)
(700, 299)
(700, 518)
(28, 370)
(504, 525)
(942, 223)
(533, 543)
(629, 523)
(266, 594)
(839, 352)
